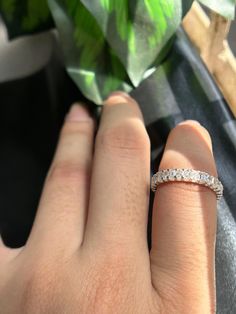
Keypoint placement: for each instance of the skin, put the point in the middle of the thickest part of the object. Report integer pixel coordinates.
(87, 251)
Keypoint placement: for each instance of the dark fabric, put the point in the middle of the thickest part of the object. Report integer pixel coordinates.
(32, 111)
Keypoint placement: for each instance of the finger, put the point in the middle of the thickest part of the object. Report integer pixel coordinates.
(184, 219)
(120, 180)
(63, 207)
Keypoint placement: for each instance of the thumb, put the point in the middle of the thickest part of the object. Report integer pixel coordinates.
(184, 223)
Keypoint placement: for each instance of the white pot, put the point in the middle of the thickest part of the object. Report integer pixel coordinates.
(26, 55)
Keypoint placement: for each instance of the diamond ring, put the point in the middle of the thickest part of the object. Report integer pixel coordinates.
(188, 175)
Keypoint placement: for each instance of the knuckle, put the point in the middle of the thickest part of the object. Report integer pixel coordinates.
(186, 297)
(66, 171)
(109, 288)
(128, 136)
(72, 129)
(171, 300)
(117, 255)
(112, 280)
(182, 280)
(168, 294)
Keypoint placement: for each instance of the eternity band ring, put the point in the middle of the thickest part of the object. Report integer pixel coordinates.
(188, 175)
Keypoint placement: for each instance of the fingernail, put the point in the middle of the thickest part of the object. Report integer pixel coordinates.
(195, 122)
(78, 113)
(117, 97)
(120, 93)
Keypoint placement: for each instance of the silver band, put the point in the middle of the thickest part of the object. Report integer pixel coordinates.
(188, 175)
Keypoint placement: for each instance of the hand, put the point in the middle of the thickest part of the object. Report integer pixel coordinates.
(87, 251)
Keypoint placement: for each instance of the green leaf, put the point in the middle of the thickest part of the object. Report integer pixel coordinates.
(223, 7)
(90, 61)
(25, 16)
(134, 42)
(137, 30)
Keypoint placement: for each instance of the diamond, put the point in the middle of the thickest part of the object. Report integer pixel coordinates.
(164, 175)
(159, 177)
(172, 174)
(179, 175)
(211, 181)
(215, 184)
(204, 177)
(208, 180)
(155, 179)
(192, 175)
(196, 176)
(186, 174)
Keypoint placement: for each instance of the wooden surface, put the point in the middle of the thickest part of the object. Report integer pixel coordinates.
(209, 36)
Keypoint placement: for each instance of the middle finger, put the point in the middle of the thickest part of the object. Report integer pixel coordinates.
(120, 182)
